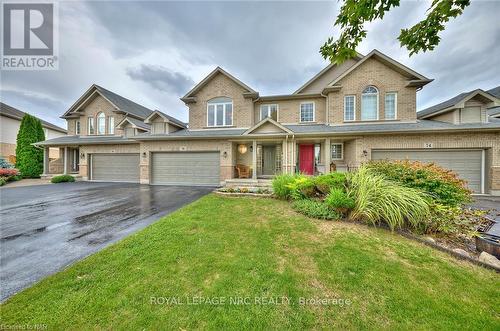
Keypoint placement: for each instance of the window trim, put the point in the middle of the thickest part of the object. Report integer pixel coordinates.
(98, 117)
(270, 104)
(395, 105)
(111, 126)
(314, 111)
(341, 151)
(89, 120)
(378, 102)
(77, 127)
(345, 97)
(223, 113)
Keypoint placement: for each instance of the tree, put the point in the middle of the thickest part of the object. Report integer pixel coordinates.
(423, 36)
(29, 159)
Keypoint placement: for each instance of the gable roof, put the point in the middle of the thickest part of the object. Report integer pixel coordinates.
(358, 57)
(495, 91)
(166, 117)
(265, 121)
(119, 103)
(494, 112)
(135, 123)
(14, 113)
(454, 102)
(189, 97)
(418, 79)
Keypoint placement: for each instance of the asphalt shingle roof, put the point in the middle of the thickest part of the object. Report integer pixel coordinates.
(495, 91)
(82, 140)
(442, 105)
(125, 104)
(12, 112)
(173, 119)
(138, 123)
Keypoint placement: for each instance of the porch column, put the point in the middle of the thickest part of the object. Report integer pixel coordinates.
(65, 171)
(46, 160)
(254, 159)
(328, 155)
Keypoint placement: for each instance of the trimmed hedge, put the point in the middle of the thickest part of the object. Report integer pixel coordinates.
(29, 159)
(62, 179)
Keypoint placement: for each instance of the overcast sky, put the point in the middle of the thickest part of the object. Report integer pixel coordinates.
(154, 52)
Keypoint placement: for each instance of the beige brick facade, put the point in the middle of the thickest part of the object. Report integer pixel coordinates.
(385, 79)
(289, 110)
(96, 106)
(221, 86)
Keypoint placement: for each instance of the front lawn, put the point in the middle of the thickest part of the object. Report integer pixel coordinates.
(258, 251)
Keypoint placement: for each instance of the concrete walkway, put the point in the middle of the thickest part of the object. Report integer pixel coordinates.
(27, 182)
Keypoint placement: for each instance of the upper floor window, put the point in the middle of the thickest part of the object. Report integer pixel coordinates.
(369, 104)
(77, 127)
(90, 125)
(101, 123)
(349, 108)
(307, 112)
(391, 105)
(270, 111)
(220, 112)
(129, 131)
(111, 125)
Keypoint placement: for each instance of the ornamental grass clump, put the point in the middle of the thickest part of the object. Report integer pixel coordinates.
(315, 209)
(443, 185)
(380, 200)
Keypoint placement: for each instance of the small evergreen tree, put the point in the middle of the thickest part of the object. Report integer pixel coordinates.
(29, 159)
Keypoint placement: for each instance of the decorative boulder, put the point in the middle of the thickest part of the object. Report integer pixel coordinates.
(489, 259)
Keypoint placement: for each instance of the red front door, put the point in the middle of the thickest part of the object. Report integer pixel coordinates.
(306, 159)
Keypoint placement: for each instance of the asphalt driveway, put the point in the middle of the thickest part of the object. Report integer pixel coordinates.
(48, 227)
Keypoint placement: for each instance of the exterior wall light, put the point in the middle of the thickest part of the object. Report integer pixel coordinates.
(224, 154)
(144, 155)
(82, 155)
(365, 153)
(242, 149)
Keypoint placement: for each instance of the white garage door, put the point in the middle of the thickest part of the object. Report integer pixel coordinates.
(467, 163)
(185, 168)
(115, 167)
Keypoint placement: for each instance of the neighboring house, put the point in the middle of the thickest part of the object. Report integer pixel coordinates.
(10, 121)
(361, 110)
(494, 112)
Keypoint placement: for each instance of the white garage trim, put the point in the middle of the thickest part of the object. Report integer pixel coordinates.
(117, 174)
(186, 168)
(476, 177)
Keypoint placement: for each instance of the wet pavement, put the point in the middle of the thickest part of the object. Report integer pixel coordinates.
(492, 205)
(48, 227)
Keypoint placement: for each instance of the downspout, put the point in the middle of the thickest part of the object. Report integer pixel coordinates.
(285, 159)
(327, 121)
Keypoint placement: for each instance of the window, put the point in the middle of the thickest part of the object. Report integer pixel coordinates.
(270, 111)
(369, 104)
(77, 127)
(307, 112)
(317, 153)
(470, 115)
(391, 100)
(101, 123)
(337, 151)
(158, 127)
(90, 127)
(349, 108)
(220, 112)
(111, 125)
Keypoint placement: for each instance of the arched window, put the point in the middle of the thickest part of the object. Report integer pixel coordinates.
(369, 104)
(220, 112)
(101, 123)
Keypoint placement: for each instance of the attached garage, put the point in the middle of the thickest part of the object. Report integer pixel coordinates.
(115, 167)
(469, 164)
(185, 168)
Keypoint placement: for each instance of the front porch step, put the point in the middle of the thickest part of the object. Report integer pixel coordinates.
(244, 182)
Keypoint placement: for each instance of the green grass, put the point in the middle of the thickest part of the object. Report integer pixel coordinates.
(244, 247)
